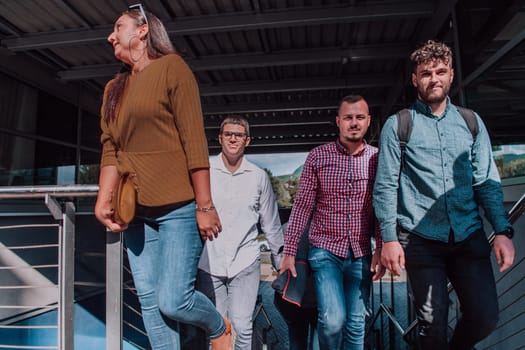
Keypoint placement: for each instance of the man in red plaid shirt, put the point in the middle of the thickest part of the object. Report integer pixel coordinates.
(335, 193)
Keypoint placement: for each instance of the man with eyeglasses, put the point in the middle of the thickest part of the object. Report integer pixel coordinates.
(229, 268)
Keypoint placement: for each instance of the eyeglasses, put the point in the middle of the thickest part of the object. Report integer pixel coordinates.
(141, 9)
(230, 134)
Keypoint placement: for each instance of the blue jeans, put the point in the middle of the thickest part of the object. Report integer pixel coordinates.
(163, 255)
(235, 298)
(342, 286)
(430, 264)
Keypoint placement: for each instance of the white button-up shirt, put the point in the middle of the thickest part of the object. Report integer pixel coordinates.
(242, 199)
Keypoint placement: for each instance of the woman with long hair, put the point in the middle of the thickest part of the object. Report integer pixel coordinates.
(152, 127)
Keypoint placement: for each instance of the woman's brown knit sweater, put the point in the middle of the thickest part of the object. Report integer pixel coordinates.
(159, 132)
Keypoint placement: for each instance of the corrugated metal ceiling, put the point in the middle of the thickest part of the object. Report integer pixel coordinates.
(285, 64)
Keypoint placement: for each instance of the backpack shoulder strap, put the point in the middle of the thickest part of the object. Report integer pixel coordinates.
(404, 128)
(470, 119)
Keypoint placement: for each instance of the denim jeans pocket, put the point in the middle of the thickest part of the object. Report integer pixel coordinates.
(316, 256)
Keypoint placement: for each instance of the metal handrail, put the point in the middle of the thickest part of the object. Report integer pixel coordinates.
(65, 215)
(114, 251)
(13, 192)
(514, 214)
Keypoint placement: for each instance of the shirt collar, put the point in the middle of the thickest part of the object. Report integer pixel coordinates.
(339, 146)
(425, 109)
(218, 163)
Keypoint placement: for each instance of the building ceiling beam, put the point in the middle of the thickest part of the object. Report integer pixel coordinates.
(234, 22)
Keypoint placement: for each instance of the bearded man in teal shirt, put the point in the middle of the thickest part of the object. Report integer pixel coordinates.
(427, 203)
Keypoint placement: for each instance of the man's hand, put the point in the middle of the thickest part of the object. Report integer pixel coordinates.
(504, 251)
(376, 267)
(288, 263)
(393, 257)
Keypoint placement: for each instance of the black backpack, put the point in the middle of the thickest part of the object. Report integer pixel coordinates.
(404, 126)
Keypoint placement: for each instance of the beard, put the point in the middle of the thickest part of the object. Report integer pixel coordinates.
(431, 97)
(353, 138)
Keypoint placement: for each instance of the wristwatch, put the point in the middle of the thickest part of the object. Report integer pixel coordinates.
(508, 232)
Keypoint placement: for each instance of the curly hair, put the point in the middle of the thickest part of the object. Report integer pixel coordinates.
(431, 51)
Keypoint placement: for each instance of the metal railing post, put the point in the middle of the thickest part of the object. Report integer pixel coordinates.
(381, 314)
(391, 330)
(114, 258)
(66, 271)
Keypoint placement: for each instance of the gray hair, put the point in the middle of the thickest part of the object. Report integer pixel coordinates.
(158, 41)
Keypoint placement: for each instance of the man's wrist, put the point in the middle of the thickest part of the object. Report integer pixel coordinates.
(389, 235)
(509, 233)
(289, 250)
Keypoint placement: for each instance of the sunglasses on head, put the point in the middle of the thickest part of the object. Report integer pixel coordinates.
(141, 9)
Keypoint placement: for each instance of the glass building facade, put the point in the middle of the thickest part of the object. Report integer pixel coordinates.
(45, 140)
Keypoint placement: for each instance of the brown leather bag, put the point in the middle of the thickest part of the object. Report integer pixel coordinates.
(124, 199)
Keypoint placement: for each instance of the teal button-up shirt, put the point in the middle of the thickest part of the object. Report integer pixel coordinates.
(446, 174)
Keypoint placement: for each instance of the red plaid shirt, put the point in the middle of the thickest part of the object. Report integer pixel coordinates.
(335, 191)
